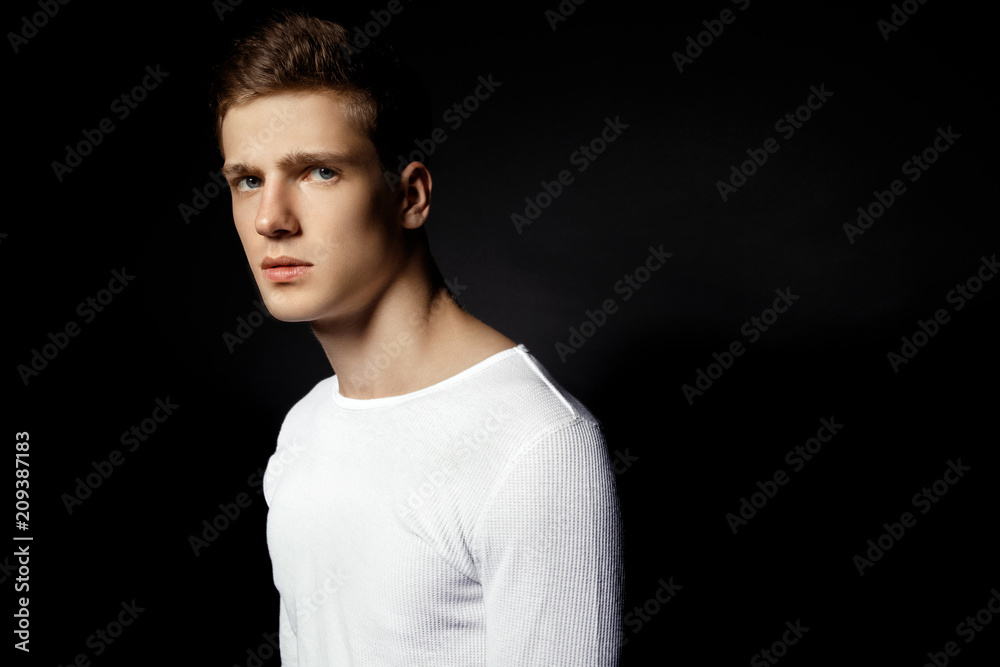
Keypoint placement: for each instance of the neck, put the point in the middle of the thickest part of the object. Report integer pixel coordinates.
(412, 336)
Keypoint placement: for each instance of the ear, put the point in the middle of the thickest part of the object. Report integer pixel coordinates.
(415, 183)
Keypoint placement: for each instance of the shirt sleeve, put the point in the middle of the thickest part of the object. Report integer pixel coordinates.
(549, 550)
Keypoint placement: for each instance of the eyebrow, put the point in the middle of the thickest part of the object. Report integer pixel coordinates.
(292, 160)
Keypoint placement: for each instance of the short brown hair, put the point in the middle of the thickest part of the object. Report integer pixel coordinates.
(384, 97)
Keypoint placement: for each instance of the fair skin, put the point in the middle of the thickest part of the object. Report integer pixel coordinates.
(312, 191)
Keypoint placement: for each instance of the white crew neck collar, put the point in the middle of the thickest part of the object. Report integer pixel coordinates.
(369, 403)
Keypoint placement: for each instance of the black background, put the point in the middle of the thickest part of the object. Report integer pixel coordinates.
(162, 336)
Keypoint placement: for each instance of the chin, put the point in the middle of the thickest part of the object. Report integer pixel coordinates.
(287, 308)
(290, 307)
(306, 303)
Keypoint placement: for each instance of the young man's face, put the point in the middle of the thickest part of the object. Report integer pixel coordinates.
(319, 224)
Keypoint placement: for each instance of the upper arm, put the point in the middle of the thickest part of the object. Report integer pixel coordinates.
(549, 549)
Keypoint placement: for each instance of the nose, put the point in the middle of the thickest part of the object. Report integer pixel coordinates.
(276, 215)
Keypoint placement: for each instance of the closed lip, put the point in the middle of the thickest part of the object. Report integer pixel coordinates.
(271, 262)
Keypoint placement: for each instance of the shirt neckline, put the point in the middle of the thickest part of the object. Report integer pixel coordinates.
(369, 403)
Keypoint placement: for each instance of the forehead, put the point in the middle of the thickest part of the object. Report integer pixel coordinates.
(273, 125)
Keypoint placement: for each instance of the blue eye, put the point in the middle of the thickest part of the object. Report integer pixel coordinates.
(248, 183)
(323, 173)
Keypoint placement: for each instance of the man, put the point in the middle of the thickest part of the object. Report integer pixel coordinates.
(440, 500)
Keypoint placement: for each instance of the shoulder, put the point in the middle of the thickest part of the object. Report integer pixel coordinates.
(518, 396)
(525, 387)
(528, 432)
(508, 406)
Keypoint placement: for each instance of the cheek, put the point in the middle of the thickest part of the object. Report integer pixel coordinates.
(350, 216)
(243, 220)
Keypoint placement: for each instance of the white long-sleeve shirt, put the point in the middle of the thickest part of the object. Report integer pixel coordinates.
(472, 522)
